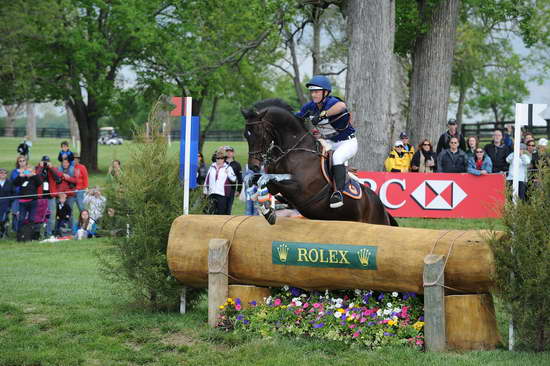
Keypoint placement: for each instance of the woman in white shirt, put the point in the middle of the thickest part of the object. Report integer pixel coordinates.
(217, 185)
(524, 161)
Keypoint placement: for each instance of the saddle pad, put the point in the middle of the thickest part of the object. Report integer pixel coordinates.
(352, 188)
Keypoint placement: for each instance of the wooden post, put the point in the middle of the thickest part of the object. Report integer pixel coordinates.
(218, 289)
(434, 303)
(183, 300)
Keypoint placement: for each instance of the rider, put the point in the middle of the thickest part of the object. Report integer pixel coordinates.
(333, 119)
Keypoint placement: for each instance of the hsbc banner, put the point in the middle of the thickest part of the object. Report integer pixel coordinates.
(438, 195)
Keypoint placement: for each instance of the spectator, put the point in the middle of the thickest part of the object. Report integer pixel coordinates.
(444, 140)
(201, 170)
(115, 170)
(95, 203)
(24, 148)
(424, 160)
(498, 152)
(81, 175)
(65, 153)
(471, 147)
(85, 228)
(68, 182)
(217, 184)
(63, 216)
(452, 160)
(51, 178)
(540, 156)
(7, 191)
(20, 166)
(251, 208)
(398, 160)
(408, 149)
(111, 224)
(507, 138)
(528, 136)
(524, 161)
(480, 164)
(237, 186)
(28, 181)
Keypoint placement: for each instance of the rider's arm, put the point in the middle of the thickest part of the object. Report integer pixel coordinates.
(336, 109)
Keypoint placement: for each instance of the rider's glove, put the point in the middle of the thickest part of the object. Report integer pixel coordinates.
(315, 120)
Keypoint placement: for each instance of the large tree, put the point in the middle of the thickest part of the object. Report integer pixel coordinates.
(369, 81)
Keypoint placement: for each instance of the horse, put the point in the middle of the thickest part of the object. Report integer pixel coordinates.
(292, 157)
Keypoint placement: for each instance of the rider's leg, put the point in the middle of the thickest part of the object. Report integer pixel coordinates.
(343, 150)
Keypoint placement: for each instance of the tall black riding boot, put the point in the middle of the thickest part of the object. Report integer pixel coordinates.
(339, 174)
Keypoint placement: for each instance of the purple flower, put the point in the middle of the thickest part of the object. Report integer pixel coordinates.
(295, 291)
(405, 295)
(238, 301)
(319, 325)
(246, 321)
(373, 315)
(240, 317)
(253, 303)
(380, 297)
(388, 334)
(367, 297)
(370, 324)
(421, 319)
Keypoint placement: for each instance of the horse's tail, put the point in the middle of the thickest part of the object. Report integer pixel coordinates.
(393, 222)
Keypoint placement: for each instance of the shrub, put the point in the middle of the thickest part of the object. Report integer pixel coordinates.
(522, 261)
(147, 198)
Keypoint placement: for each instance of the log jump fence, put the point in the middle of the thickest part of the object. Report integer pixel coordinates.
(241, 256)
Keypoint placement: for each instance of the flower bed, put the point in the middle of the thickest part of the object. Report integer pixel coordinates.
(372, 319)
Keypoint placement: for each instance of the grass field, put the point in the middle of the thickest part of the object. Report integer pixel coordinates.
(56, 309)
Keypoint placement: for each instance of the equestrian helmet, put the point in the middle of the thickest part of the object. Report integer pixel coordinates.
(319, 82)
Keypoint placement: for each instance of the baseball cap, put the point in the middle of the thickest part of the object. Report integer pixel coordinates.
(452, 121)
(403, 135)
(228, 148)
(45, 158)
(543, 142)
(398, 143)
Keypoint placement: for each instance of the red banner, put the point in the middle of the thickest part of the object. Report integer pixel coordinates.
(438, 195)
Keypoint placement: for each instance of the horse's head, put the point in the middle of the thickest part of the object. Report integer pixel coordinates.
(258, 134)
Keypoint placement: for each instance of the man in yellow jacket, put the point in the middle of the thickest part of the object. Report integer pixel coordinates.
(398, 161)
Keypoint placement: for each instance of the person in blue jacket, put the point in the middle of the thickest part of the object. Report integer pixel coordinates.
(480, 163)
(85, 227)
(330, 115)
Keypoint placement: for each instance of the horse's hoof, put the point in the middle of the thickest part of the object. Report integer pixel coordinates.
(271, 218)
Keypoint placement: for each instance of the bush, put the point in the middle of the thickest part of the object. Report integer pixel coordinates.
(147, 198)
(523, 265)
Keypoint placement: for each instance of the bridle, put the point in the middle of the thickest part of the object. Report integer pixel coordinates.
(268, 151)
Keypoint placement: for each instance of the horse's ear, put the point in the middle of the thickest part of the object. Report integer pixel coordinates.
(262, 114)
(249, 113)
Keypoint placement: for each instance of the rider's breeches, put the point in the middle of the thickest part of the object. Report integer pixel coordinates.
(343, 150)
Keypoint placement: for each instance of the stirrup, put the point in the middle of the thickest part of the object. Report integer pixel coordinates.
(268, 212)
(336, 200)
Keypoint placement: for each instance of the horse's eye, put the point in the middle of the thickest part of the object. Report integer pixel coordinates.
(248, 132)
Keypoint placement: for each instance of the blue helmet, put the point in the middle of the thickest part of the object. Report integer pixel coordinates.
(319, 82)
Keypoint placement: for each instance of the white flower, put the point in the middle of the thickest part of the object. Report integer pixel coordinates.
(379, 312)
(338, 305)
(389, 305)
(357, 292)
(339, 300)
(386, 312)
(394, 318)
(394, 294)
(298, 303)
(396, 310)
(350, 306)
(268, 300)
(285, 287)
(303, 295)
(337, 314)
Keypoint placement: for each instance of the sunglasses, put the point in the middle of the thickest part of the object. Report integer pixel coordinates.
(479, 152)
(530, 145)
(220, 158)
(453, 142)
(426, 145)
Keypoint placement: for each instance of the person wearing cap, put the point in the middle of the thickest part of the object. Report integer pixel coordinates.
(7, 191)
(217, 185)
(524, 161)
(398, 161)
(445, 138)
(51, 178)
(452, 160)
(330, 115)
(408, 149)
(498, 151)
(238, 185)
(28, 181)
(81, 175)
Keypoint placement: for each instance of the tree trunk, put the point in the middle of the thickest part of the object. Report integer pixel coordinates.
(87, 119)
(494, 108)
(460, 106)
(31, 121)
(296, 67)
(316, 46)
(432, 71)
(11, 113)
(73, 126)
(399, 97)
(369, 80)
(210, 123)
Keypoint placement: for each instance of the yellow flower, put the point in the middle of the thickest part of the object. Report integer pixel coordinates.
(341, 310)
(283, 306)
(221, 307)
(229, 300)
(392, 322)
(418, 325)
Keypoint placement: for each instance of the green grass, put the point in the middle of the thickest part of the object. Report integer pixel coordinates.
(55, 309)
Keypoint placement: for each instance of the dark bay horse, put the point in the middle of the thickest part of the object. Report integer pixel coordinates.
(281, 141)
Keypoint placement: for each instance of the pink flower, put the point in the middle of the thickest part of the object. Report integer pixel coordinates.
(356, 334)
(238, 307)
(362, 320)
(306, 305)
(277, 302)
(316, 305)
(404, 311)
(419, 342)
(351, 326)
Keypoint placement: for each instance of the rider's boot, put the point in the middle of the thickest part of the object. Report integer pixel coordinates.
(268, 212)
(339, 174)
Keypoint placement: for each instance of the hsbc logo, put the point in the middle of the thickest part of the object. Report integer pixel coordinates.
(430, 194)
(438, 194)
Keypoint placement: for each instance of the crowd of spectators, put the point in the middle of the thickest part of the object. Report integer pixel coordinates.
(38, 201)
(455, 154)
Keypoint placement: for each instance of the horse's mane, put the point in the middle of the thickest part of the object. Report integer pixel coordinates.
(273, 102)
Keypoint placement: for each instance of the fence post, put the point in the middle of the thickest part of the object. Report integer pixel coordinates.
(218, 287)
(434, 303)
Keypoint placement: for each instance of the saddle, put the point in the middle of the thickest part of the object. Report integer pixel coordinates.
(352, 187)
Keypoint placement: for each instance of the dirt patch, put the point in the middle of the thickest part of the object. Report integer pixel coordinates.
(36, 318)
(178, 339)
